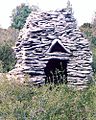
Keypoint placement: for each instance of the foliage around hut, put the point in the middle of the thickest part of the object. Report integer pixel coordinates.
(7, 57)
(20, 14)
(21, 102)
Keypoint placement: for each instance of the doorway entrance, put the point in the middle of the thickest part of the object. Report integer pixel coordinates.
(56, 71)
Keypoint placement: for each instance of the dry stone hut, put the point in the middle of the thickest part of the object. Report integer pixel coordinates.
(51, 41)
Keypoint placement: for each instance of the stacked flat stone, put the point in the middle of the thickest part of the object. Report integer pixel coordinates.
(40, 31)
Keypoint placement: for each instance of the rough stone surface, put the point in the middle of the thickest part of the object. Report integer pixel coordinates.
(38, 35)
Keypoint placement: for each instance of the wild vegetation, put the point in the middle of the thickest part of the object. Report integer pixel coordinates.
(7, 41)
(20, 14)
(7, 57)
(22, 102)
(25, 102)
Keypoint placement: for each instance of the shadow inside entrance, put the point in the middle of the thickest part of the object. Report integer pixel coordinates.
(56, 71)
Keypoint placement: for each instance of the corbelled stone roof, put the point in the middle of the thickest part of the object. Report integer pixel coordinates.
(45, 30)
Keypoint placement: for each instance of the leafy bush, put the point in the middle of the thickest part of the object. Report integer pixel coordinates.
(7, 57)
(86, 25)
(20, 14)
(93, 40)
(21, 102)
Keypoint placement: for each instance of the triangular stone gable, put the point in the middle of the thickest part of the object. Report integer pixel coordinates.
(57, 46)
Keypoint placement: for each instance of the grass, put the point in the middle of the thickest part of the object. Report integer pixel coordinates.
(21, 102)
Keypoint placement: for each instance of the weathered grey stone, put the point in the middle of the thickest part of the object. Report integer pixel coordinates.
(38, 43)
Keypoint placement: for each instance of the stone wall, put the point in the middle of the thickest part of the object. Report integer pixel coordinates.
(42, 29)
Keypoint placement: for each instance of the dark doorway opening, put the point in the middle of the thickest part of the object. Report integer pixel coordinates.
(56, 71)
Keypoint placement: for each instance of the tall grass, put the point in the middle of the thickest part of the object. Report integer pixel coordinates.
(21, 102)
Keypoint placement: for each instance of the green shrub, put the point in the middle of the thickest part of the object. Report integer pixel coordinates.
(7, 57)
(88, 34)
(93, 40)
(86, 25)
